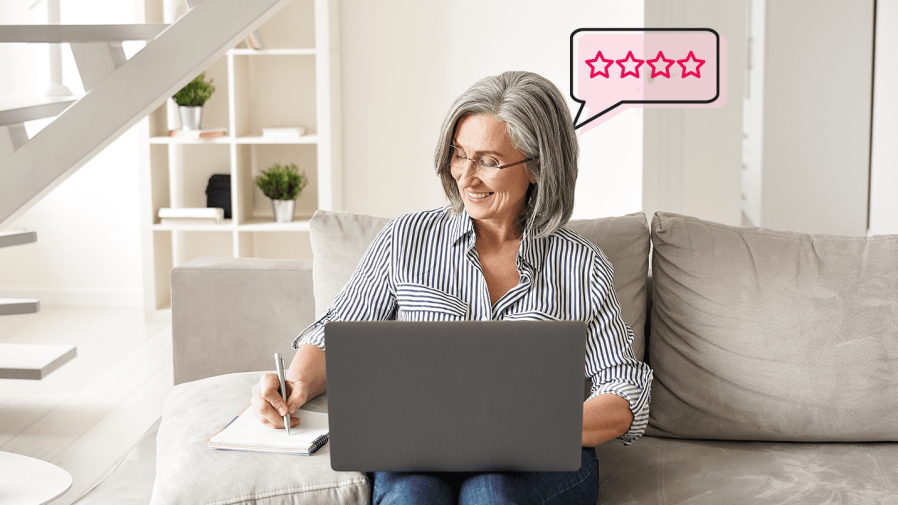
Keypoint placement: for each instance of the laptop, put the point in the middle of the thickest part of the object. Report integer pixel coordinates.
(455, 396)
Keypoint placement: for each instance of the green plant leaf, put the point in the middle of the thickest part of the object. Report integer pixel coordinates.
(282, 182)
(195, 93)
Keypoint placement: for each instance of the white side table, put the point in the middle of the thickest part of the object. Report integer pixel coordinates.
(30, 481)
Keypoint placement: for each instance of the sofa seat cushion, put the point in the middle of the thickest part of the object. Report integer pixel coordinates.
(340, 239)
(765, 335)
(187, 471)
(664, 471)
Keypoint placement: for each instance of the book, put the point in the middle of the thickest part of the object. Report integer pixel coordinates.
(208, 215)
(184, 221)
(205, 133)
(246, 433)
(254, 40)
(290, 132)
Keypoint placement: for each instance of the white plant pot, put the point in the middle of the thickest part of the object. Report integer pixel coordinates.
(191, 117)
(283, 210)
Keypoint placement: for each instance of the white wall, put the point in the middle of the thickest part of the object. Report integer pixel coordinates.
(404, 61)
(817, 104)
(88, 250)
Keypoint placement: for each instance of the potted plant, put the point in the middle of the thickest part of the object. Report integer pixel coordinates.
(282, 184)
(190, 100)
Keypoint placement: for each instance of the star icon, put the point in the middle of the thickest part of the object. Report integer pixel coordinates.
(628, 61)
(696, 64)
(594, 66)
(660, 68)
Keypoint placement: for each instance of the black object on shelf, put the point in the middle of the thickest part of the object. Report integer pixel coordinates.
(218, 193)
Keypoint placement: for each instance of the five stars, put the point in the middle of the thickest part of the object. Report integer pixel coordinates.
(593, 64)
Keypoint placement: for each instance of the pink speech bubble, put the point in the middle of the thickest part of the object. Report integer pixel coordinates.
(613, 69)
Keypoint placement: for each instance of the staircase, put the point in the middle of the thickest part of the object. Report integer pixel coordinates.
(119, 92)
(26, 361)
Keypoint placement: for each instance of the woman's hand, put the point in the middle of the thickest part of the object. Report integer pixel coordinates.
(270, 407)
(306, 379)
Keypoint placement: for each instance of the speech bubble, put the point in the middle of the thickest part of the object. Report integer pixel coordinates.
(613, 69)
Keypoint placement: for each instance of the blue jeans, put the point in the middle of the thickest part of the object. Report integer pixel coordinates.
(467, 488)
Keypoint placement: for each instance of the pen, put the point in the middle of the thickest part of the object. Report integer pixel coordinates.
(279, 363)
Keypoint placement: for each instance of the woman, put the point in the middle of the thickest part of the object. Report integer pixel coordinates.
(507, 157)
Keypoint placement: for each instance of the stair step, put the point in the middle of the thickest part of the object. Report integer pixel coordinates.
(13, 306)
(11, 238)
(33, 361)
(20, 107)
(79, 33)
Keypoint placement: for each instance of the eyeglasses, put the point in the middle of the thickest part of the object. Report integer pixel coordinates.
(487, 164)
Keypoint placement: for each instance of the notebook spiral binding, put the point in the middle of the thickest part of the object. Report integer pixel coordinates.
(318, 443)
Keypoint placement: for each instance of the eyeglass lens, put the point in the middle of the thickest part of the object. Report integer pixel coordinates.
(459, 159)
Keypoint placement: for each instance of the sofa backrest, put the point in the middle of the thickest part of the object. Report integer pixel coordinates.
(340, 239)
(764, 335)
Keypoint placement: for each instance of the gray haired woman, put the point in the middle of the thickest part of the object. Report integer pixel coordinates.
(507, 157)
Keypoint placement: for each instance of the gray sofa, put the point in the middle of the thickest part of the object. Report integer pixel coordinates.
(775, 358)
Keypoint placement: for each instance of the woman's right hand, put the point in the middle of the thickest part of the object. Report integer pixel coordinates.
(270, 407)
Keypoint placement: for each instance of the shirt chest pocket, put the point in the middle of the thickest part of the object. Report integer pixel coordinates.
(530, 315)
(418, 302)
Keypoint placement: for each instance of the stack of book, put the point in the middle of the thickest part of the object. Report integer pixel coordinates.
(284, 133)
(197, 215)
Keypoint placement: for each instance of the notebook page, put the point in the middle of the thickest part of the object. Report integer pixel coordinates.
(247, 431)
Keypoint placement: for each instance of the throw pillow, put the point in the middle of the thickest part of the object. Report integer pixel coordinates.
(187, 471)
(766, 335)
(625, 241)
(339, 240)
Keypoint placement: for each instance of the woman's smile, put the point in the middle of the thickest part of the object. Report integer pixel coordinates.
(477, 197)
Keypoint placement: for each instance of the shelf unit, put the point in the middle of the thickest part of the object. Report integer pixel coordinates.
(293, 81)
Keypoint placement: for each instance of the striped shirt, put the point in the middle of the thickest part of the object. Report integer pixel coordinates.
(424, 267)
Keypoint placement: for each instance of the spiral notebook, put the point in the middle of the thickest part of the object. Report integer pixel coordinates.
(246, 433)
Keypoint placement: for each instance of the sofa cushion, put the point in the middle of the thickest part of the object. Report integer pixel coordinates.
(765, 335)
(187, 471)
(625, 241)
(666, 471)
(339, 240)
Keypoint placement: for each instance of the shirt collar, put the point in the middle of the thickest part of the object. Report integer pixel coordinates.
(460, 225)
(532, 250)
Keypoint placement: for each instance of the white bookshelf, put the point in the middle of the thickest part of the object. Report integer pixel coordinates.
(293, 81)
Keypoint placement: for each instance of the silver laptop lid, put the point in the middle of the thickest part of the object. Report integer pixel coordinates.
(455, 396)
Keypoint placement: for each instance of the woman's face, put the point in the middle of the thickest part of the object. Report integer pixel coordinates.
(495, 196)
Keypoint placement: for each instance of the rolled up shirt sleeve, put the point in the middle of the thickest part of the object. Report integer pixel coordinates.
(368, 296)
(610, 361)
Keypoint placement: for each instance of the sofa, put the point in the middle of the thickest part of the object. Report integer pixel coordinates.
(775, 360)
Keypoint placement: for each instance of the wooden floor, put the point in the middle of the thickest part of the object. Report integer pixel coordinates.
(86, 415)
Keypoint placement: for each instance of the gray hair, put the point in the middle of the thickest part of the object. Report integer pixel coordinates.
(539, 124)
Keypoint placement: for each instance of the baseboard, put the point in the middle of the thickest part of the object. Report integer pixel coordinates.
(78, 297)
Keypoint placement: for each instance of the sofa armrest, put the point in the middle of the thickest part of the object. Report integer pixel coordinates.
(231, 314)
